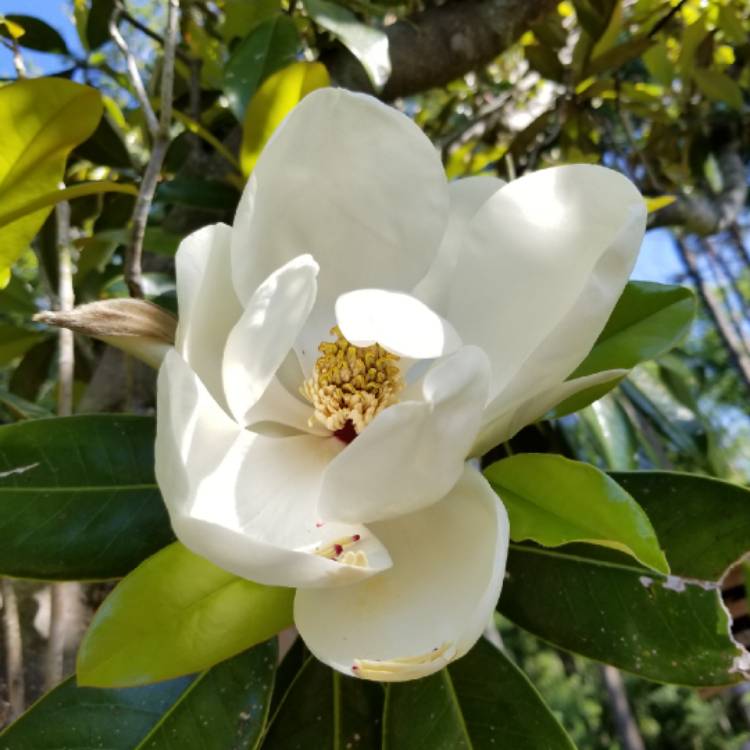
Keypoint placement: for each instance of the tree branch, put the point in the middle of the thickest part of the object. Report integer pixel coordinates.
(133, 271)
(441, 44)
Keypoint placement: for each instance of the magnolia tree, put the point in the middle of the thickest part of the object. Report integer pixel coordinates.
(367, 338)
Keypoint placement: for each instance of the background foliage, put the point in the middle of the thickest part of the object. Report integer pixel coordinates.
(654, 88)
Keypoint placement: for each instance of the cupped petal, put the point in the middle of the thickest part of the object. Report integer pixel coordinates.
(397, 321)
(207, 303)
(261, 341)
(466, 198)
(543, 264)
(501, 420)
(431, 606)
(412, 453)
(351, 181)
(246, 501)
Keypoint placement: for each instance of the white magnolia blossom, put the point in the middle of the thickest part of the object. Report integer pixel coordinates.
(362, 330)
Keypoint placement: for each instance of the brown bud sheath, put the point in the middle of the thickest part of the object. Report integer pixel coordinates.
(137, 327)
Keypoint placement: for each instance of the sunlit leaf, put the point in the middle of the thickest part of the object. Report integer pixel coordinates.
(554, 501)
(272, 103)
(719, 87)
(198, 615)
(42, 119)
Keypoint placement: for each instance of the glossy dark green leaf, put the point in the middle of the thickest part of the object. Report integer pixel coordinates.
(20, 408)
(97, 23)
(480, 702)
(208, 195)
(38, 35)
(78, 499)
(616, 57)
(15, 341)
(225, 707)
(554, 501)
(105, 146)
(176, 614)
(326, 710)
(600, 605)
(702, 523)
(74, 718)
(270, 46)
(17, 298)
(648, 320)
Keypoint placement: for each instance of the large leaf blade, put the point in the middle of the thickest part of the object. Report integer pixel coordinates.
(198, 615)
(78, 498)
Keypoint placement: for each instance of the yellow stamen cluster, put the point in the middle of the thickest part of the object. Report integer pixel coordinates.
(351, 384)
(407, 667)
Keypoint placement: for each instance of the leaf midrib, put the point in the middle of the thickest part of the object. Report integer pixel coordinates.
(78, 488)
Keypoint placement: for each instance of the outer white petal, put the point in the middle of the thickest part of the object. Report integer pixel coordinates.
(262, 339)
(397, 321)
(245, 501)
(466, 197)
(498, 426)
(412, 453)
(431, 606)
(357, 185)
(208, 305)
(544, 261)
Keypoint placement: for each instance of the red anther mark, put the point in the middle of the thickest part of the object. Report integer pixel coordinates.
(355, 668)
(347, 433)
(356, 538)
(319, 524)
(338, 549)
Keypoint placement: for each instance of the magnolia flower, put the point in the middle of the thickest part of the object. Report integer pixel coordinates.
(361, 331)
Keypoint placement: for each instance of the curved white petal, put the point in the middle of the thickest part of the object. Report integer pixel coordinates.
(397, 321)
(261, 341)
(466, 197)
(208, 306)
(544, 261)
(412, 453)
(351, 181)
(245, 501)
(499, 425)
(431, 606)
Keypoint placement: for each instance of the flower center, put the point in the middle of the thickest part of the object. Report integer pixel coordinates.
(351, 385)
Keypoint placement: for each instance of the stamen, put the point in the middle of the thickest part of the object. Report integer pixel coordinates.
(336, 548)
(386, 670)
(351, 385)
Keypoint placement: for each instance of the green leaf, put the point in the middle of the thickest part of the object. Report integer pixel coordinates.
(209, 195)
(595, 603)
(15, 341)
(616, 57)
(479, 702)
(554, 501)
(241, 17)
(38, 35)
(367, 44)
(198, 615)
(325, 710)
(270, 46)
(106, 146)
(20, 408)
(719, 87)
(225, 707)
(272, 102)
(97, 22)
(702, 523)
(42, 119)
(76, 718)
(648, 320)
(78, 499)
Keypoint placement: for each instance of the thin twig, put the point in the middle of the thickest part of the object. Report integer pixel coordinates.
(13, 650)
(136, 24)
(662, 22)
(135, 77)
(133, 271)
(53, 662)
(15, 50)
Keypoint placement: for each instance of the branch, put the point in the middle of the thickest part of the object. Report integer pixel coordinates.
(13, 650)
(441, 44)
(133, 271)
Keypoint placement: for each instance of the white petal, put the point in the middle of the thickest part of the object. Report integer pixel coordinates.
(351, 181)
(431, 606)
(545, 260)
(245, 501)
(412, 453)
(397, 321)
(208, 306)
(466, 198)
(500, 424)
(262, 339)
